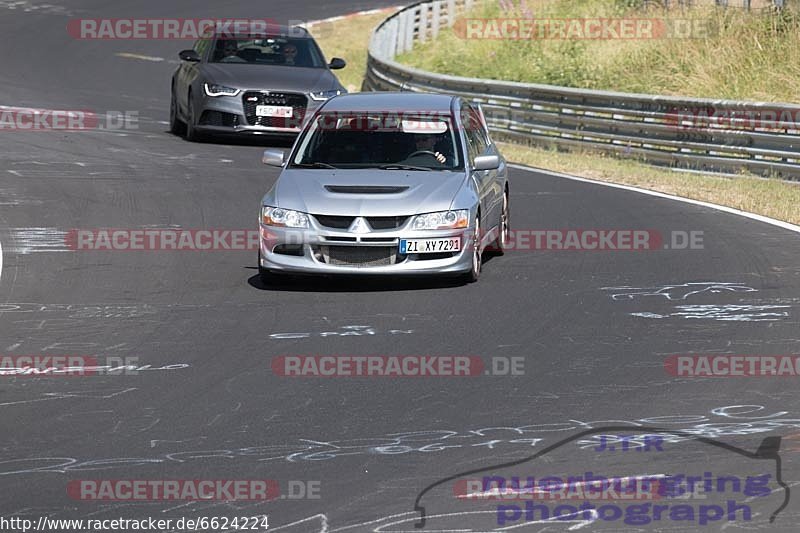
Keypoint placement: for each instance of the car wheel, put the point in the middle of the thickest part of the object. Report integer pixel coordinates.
(475, 272)
(192, 134)
(176, 126)
(504, 236)
(266, 277)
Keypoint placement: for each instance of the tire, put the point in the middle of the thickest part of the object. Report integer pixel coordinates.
(500, 244)
(474, 273)
(266, 277)
(176, 126)
(192, 135)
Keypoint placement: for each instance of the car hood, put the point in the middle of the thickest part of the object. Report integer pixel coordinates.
(305, 190)
(272, 77)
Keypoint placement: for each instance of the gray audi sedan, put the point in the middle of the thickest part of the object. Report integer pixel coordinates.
(386, 183)
(256, 83)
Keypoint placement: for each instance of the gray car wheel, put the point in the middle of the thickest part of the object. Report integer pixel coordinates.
(176, 126)
(192, 134)
(504, 236)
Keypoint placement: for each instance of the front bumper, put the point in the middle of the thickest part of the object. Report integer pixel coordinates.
(312, 252)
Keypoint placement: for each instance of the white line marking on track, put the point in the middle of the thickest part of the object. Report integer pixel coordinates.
(128, 55)
(746, 214)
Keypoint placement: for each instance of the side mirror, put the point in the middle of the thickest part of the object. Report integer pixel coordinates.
(274, 158)
(486, 162)
(337, 63)
(189, 55)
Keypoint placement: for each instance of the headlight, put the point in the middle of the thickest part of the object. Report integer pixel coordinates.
(442, 220)
(212, 89)
(275, 216)
(324, 95)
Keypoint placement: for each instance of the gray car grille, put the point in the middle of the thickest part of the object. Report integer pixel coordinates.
(298, 102)
(376, 223)
(330, 221)
(359, 256)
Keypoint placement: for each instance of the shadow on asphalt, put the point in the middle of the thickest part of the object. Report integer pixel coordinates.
(286, 283)
(365, 283)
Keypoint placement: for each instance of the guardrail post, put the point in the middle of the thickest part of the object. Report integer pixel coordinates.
(422, 33)
(408, 37)
(401, 32)
(394, 32)
(436, 18)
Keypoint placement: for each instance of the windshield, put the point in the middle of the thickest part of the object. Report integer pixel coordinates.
(380, 140)
(268, 51)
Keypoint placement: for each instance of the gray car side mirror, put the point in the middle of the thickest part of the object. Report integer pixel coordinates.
(337, 63)
(274, 158)
(189, 55)
(486, 162)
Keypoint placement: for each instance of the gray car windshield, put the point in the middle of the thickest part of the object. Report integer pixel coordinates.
(390, 141)
(268, 51)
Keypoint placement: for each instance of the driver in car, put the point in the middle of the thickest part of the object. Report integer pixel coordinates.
(427, 143)
(229, 53)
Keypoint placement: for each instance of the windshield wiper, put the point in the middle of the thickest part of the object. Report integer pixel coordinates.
(315, 164)
(402, 167)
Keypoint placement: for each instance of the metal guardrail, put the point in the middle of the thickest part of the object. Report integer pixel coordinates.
(714, 135)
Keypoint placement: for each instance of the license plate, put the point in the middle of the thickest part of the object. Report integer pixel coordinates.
(274, 111)
(430, 246)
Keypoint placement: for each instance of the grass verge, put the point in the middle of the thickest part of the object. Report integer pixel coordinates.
(764, 196)
(768, 197)
(705, 51)
(348, 38)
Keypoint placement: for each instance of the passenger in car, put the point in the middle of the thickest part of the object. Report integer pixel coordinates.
(289, 52)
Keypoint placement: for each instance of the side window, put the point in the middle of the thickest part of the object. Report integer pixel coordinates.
(473, 125)
(484, 129)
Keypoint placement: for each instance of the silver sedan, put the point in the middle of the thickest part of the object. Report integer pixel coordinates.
(386, 183)
(259, 84)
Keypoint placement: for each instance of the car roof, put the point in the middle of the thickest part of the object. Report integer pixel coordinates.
(390, 102)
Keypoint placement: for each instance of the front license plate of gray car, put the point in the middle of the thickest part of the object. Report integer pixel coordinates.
(273, 111)
(430, 246)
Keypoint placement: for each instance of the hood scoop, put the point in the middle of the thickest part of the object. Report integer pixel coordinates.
(365, 189)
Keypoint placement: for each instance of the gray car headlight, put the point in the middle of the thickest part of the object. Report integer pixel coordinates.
(276, 216)
(213, 89)
(442, 220)
(325, 95)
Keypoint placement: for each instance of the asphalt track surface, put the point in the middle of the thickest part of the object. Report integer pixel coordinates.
(371, 444)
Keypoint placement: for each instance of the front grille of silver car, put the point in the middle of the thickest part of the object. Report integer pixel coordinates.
(359, 256)
(330, 221)
(386, 222)
(298, 102)
(376, 223)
